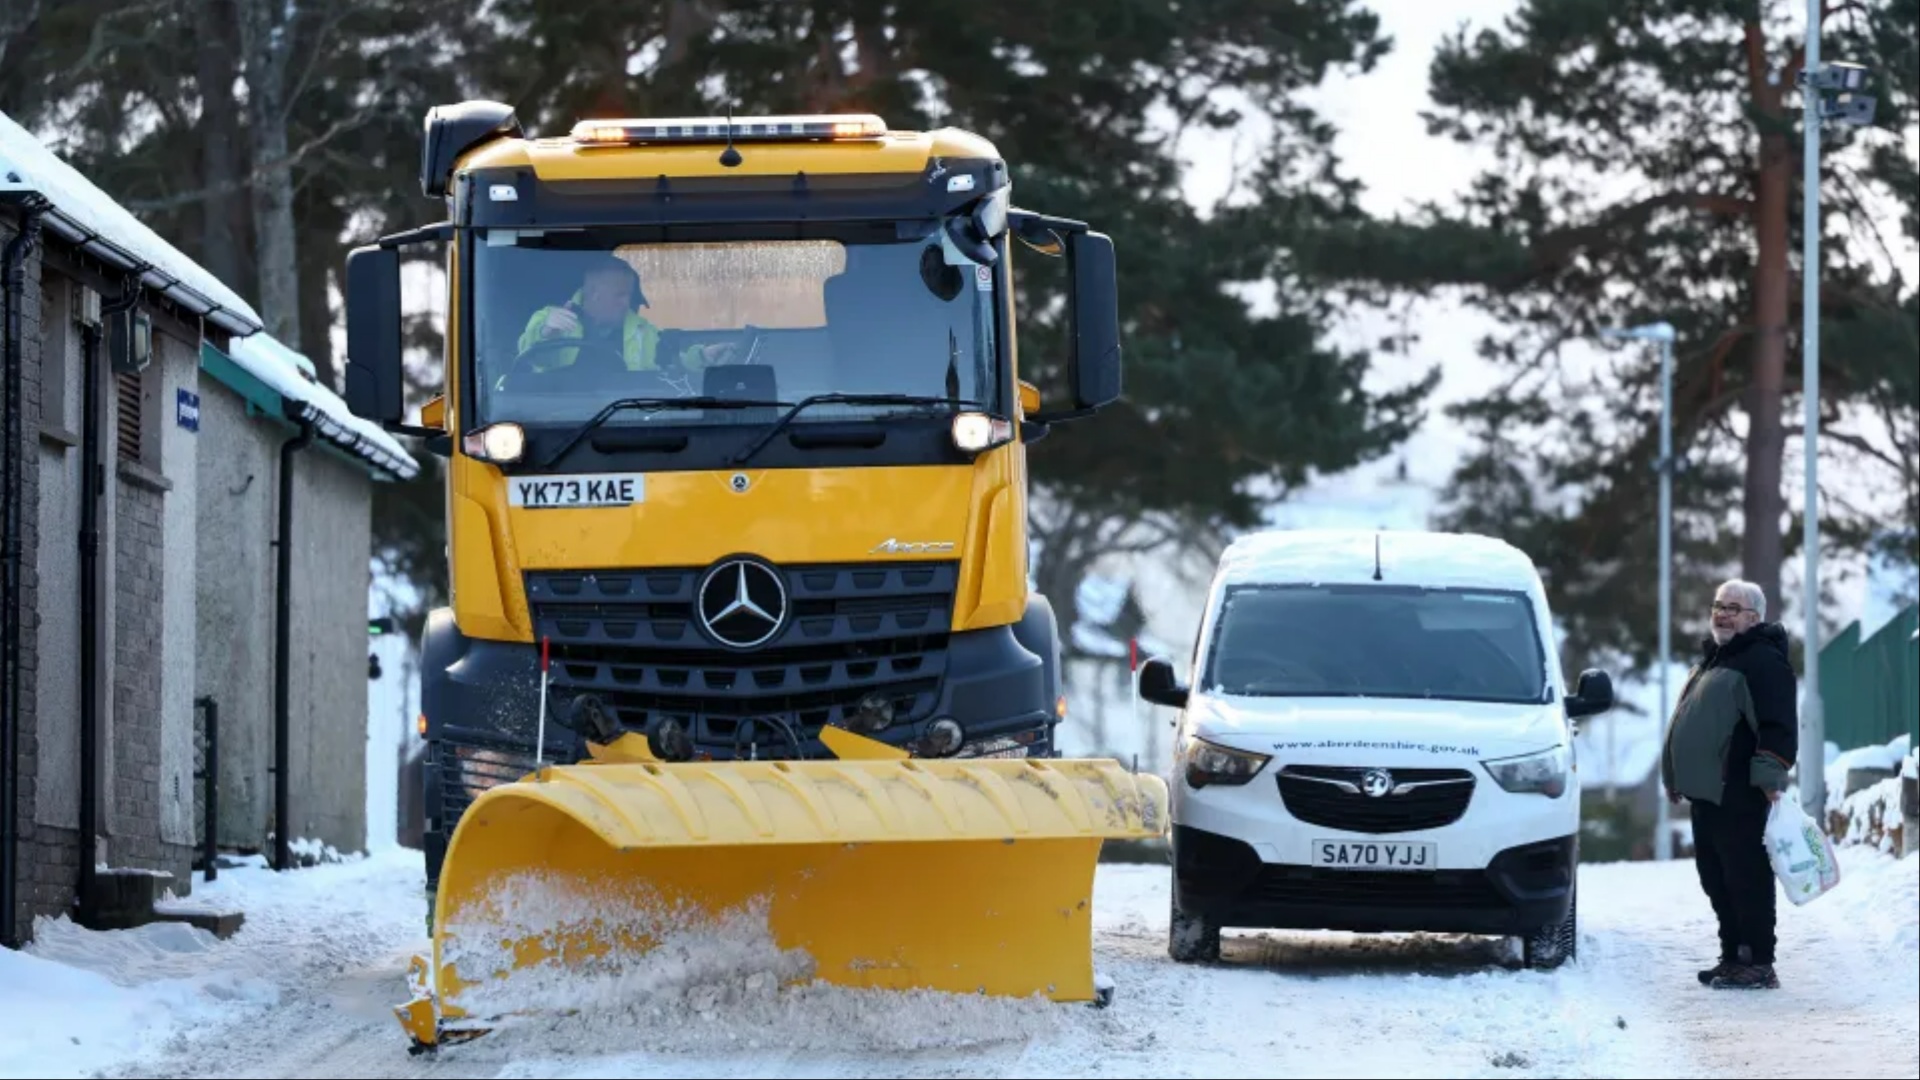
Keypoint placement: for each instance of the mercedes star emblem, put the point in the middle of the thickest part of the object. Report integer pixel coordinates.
(1376, 783)
(742, 603)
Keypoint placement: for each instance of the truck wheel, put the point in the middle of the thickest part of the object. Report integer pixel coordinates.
(1190, 938)
(1552, 945)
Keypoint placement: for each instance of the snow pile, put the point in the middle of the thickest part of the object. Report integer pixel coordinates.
(1878, 904)
(76, 1001)
(693, 982)
(1871, 816)
(92, 1003)
(1885, 756)
(620, 945)
(752, 1015)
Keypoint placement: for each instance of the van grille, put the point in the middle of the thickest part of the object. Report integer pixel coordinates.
(1333, 796)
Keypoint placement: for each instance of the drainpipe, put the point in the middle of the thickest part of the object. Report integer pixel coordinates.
(10, 539)
(93, 486)
(211, 776)
(282, 816)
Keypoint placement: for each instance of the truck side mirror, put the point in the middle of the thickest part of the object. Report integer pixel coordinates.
(1093, 365)
(1592, 695)
(1158, 685)
(374, 386)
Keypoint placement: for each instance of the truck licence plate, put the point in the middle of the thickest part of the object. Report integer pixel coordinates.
(592, 489)
(1375, 854)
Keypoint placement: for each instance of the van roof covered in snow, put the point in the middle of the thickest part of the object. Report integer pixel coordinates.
(1354, 555)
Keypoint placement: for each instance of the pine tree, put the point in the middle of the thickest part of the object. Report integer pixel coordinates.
(1649, 169)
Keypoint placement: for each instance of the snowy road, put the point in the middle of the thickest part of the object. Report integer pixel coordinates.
(305, 990)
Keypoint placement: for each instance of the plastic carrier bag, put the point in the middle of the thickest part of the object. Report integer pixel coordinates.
(1802, 854)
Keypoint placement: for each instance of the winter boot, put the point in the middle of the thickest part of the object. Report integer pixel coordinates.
(1743, 974)
(1721, 968)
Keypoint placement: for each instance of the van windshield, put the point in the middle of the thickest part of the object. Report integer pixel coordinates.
(1377, 641)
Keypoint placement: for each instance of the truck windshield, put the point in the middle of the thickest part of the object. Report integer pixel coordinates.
(1377, 641)
(566, 322)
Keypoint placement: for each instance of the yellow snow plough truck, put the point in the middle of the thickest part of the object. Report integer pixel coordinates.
(742, 659)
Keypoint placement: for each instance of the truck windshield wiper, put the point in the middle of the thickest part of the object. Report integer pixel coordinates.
(740, 458)
(650, 404)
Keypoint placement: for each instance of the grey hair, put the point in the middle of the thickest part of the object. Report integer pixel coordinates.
(1749, 593)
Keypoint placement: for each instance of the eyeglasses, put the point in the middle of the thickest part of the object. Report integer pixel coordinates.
(1730, 609)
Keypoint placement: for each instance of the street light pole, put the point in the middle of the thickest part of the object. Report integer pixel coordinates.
(1663, 333)
(1813, 719)
(1850, 108)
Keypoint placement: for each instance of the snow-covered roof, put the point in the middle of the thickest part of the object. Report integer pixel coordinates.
(1348, 555)
(86, 217)
(283, 369)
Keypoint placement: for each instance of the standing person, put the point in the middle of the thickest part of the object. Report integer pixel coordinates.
(1734, 735)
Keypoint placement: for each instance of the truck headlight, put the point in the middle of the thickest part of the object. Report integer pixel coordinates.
(1210, 763)
(974, 431)
(1544, 773)
(499, 443)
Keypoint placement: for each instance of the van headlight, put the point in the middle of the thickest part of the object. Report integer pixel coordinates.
(1208, 763)
(1544, 773)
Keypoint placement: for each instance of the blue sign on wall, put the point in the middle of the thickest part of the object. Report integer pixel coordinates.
(186, 411)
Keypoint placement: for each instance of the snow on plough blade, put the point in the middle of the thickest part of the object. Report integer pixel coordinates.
(965, 875)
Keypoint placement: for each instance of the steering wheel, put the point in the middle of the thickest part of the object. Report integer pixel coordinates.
(746, 342)
(519, 368)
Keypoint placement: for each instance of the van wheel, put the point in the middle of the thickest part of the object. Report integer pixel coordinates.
(1192, 939)
(1555, 944)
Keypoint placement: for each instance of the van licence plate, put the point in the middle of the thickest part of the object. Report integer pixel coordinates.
(591, 489)
(1375, 855)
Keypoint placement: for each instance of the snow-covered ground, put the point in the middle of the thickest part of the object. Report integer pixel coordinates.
(305, 989)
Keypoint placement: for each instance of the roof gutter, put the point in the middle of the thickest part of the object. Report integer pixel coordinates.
(156, 279)
(325, 426)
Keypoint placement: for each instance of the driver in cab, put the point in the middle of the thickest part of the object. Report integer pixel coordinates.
(605, 310)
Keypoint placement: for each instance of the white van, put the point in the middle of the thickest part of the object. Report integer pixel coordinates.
(1378, 739)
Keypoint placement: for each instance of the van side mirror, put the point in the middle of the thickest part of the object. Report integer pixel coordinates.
(1158, 685)
(374, 387)
(1592, 695)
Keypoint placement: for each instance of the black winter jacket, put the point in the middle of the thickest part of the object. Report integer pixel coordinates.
(1738, 710)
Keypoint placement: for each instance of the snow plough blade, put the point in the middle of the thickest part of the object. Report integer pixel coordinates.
(965, 875)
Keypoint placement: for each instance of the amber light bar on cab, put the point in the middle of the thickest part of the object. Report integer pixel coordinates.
(718, 129)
